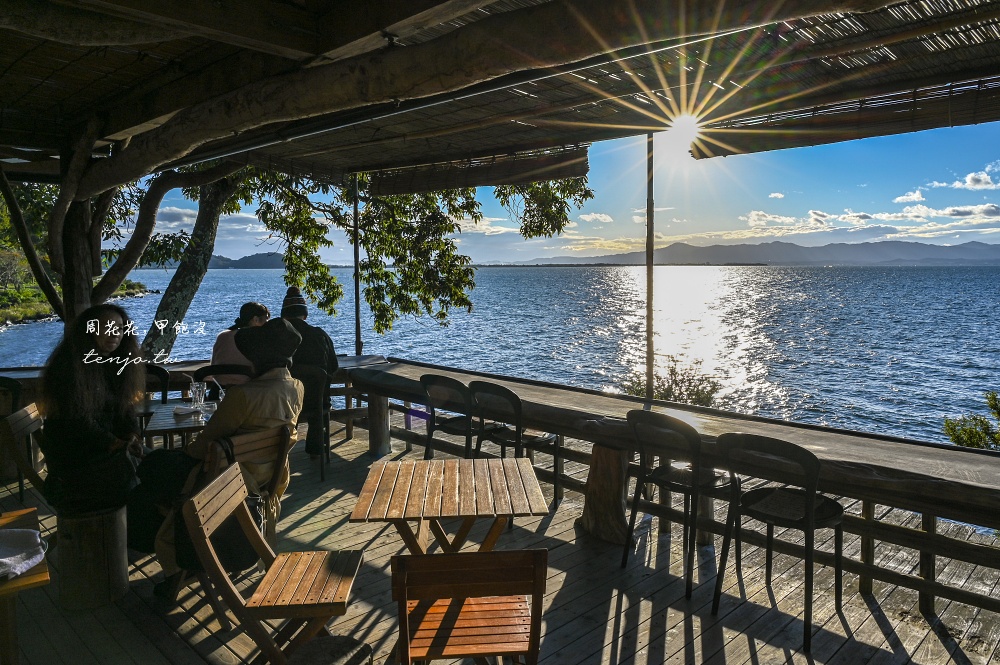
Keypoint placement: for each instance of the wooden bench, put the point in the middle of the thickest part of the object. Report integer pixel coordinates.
(469, 605)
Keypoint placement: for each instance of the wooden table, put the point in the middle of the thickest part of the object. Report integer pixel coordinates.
(428, 491)
(162, 421)
(37, 576)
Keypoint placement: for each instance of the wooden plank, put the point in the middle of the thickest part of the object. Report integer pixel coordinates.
(534, 493)
(437, 490)
(418, 490)
(519, 504)
(467, 489)
(498, 484)
(401, 490)
(380, 503)
(483, 490)
(450, 491)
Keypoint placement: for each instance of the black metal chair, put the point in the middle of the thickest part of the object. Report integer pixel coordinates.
(453, 398)
(506, 427)
(161, 376)
(222, 376)
(13, 388)
(677, 445)
(316, 405)
(795, 505)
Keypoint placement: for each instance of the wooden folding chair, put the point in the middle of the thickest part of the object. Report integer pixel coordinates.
(469, 605)
(251, 448)
(20, 428)
(306, 589)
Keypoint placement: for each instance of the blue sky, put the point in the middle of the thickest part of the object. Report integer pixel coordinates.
(940, 186)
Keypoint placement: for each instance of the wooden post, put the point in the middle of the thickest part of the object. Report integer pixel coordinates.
(649, 266)
(927, 567)
(378, 425)
(358, 344)
(867, 546)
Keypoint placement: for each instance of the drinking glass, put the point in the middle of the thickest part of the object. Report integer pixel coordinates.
(198, 393)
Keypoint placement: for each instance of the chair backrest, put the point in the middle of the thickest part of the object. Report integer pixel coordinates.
(430, 577)
(660, 434)
(159, 375)
(316, 383)
(771, 459)
(219, 372)
(444, 392)
(500, 402)
(255, 448)
(13, 388)
(14, 429)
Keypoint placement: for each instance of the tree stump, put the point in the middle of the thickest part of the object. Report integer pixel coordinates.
(93, 561)
(378, 426)
(604, 507)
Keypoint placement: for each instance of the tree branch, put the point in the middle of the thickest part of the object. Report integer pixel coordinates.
(146, 221)
(67, 192)
(501, 44)
(24, 237)
(100, 213)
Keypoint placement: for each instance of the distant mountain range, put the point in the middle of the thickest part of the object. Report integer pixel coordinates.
(888, 253)
(254, 261)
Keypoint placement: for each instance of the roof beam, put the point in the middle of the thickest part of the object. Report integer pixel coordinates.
(261, 25)
(351, 28)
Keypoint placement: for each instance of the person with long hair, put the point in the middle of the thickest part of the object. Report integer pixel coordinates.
(91, 385)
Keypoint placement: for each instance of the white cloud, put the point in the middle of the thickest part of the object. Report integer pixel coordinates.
(775, 195)
(485, 226)
(639, 219)
(977, 180)
(758, 219)
(172, 219)
(910, 197)
(599, 217)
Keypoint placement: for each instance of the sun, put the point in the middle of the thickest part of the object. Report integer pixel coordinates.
(681, 132)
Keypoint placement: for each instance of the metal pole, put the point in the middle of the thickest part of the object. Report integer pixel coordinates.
(357, 276)
(649, 266)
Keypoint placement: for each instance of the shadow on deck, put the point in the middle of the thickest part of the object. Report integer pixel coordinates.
(596, 612)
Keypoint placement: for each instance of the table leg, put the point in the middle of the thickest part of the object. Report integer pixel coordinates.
(494, 534)
(604, 506)
(415, 542)
(8, 630)
(452, 544)
(378, 426)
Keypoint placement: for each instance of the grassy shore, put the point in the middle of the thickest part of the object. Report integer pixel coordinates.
(28, 303)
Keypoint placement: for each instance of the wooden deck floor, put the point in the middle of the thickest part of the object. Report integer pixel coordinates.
(596, 612)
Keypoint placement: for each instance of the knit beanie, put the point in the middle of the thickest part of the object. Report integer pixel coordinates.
(294, 304)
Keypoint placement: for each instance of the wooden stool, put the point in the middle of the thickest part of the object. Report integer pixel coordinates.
(93, 561)
(333, 650)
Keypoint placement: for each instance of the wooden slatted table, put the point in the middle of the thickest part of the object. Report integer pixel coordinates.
(37, 576)
(428, 491)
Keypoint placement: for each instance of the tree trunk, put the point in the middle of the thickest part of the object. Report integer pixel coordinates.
(193, 266)
(77, 275)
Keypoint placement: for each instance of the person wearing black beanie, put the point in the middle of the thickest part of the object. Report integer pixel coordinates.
(316, 350)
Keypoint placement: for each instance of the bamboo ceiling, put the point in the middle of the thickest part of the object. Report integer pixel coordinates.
(904, 67)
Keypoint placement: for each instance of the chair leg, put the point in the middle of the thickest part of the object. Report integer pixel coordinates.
(631, 520)
(557, 467)
(838, 562)
(429, 447)
(691, 538)
(732, 520)
(212, 596)
(807, 612)
(769, 555)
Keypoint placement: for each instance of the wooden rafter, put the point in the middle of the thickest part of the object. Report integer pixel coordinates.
(261, 25)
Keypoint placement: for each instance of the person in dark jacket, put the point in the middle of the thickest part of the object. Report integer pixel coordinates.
(90, 388)
(317, 350)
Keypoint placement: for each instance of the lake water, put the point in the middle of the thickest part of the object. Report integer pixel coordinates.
(888, 350)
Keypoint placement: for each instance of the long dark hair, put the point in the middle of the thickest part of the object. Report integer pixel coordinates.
(248, 312)
(74, 388)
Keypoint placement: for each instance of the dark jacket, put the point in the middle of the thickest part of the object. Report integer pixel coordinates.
(316, 347)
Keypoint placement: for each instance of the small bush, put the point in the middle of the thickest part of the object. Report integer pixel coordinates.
(680, 384)
(976, 431)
